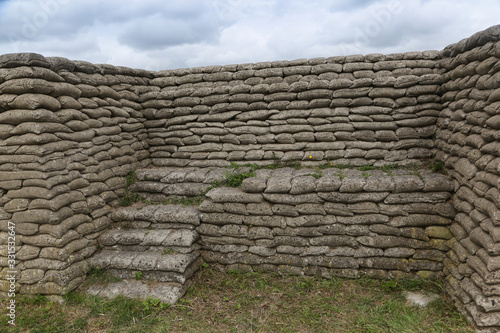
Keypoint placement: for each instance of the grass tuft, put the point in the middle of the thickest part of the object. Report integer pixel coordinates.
(235, 179)
(317, 174)
(131, 178)
(97, 275)
(129, 198)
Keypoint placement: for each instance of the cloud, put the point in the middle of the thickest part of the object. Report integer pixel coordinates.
(167, 28)
(157, 34)
(349, 6)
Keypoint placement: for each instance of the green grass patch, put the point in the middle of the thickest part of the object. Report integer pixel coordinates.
(99, 275)
(250, 302)
(366, 168)
(235, 179)
(317, 174)
(138, 275)
(129, 198)
(131, 178)
(436, 166)
(168, 251)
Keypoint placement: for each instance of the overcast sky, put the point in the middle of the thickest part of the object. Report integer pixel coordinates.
(165, 34)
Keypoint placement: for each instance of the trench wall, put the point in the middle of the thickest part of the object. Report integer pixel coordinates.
(375, 109)
(468, 142)
(70, 132)
(345, 223)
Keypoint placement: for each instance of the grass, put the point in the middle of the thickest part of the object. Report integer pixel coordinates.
(99, 275)
(131, 178)
(129, 197)
(317, 174)
(436, 167)
(235, 179)
(250, 302)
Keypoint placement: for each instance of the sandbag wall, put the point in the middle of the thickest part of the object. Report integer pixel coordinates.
(70, 131)
(375, 109)
(343, 223)
(69, 134)
(468, 142)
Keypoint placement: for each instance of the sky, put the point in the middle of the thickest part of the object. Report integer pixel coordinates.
(168, 34)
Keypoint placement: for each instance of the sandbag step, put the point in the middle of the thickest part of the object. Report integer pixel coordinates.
(168, 238)
(175, 216)
(168, 293)
(143, 262)
(159, 276)
(156, 185)
(180, 175)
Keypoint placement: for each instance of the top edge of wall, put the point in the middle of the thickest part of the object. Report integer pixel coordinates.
(492, 34)
(11, 60)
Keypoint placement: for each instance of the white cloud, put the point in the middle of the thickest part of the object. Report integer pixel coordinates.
(155, 34)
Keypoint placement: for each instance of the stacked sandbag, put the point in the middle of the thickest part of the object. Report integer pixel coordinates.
(345, 223)
(71, 132)
(468, 142)
(375, 109)
(67, 143)
(154, 249)
(159, 184)
(163, 234)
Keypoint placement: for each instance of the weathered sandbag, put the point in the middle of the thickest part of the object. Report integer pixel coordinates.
(23, 86)
(35, 101)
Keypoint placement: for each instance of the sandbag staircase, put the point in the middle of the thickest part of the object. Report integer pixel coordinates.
(152, 249)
